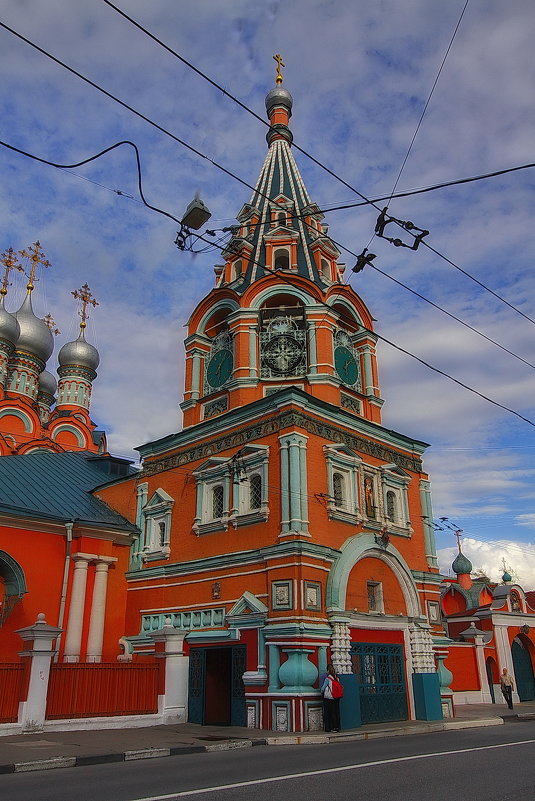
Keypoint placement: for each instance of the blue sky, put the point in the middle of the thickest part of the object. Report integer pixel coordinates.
(360, 74)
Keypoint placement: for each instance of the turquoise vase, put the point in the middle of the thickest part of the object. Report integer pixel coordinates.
(298, 673)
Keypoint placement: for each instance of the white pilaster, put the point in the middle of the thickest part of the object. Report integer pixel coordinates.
(73, 639)
(98, 611)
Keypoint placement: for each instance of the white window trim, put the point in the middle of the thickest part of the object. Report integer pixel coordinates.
(157, 510)
(395, 480)
(340, 459)
(254, 461)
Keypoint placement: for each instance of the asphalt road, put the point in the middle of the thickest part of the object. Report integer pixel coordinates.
(483, 764)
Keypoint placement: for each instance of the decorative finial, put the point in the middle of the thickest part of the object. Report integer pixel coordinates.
(278, 59)
(458, 535)
(36, 257)
(84, 294)
(49, 320)
(10, 263)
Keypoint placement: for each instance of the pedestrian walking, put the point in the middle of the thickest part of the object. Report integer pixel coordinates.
(507, 686)
(332, 691)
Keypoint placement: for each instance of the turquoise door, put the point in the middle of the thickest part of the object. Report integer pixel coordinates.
(381, 672)
(525, 682)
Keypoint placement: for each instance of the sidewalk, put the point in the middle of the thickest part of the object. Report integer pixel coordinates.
(45, 750)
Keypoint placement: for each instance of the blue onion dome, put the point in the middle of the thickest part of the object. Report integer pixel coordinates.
(461, 564)
(79, 354)
(507, 577)
(47, 383)
(35, 336)
(279, 97)
(9, 327)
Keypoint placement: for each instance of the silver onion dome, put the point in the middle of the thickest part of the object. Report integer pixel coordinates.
(9, 327)
(47, 383)
(279, 97)
(35, 336)
(79, 353)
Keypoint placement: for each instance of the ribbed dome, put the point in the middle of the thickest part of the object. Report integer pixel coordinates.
(461, 564)
(35, 336)
(9, 327)
(79, 353)
(279, 97)
(47, 383)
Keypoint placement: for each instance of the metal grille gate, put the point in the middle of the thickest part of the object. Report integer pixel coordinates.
(381, 673)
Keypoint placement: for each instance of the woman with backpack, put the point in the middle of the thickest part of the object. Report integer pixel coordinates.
(332, 691)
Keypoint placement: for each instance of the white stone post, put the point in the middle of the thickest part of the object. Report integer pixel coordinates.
(173, 704)
(341, 647)
(98, 610)
(73, 639)
(32, 710)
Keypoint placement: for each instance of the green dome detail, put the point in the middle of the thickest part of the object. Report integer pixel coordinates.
(461, 564)
(506, 577)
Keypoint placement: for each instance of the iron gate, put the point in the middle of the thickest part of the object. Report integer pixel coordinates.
(525, 683)
(381, 673)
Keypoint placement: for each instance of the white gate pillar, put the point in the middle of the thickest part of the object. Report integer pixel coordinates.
(173, 704)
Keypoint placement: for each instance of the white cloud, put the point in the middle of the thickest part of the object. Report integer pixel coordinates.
(488, 557)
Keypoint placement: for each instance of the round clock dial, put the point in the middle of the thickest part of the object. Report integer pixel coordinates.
(282, 354)
(219, 368)
(346, 365)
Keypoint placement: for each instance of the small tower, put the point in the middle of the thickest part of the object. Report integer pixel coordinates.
(462, 566)
(9, 327)
(35, 342)
(78, 362)
(45, 395)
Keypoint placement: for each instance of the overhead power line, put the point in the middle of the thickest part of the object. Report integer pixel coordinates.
(217, 242)
(305, 152)
(240, 180)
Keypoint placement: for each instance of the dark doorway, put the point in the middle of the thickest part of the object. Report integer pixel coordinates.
(525, 682)
(218, 678)
(216, 691)
(493, 676)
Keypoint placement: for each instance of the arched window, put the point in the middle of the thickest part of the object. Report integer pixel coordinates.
(217, 502)
(255, 492)
(237, 270)
(162, 530)
(325, 269)
(281, 259)
(339, 489)
(281, 218)
(391, 506)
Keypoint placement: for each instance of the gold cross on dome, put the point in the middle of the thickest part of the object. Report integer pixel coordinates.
(84, 294)
(49, 320)
(278, 59)
(36, 256)
(10, 263)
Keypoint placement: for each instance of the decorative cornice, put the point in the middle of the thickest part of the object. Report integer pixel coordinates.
(279, 422)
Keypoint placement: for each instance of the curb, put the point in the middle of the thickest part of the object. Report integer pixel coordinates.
(230, 745)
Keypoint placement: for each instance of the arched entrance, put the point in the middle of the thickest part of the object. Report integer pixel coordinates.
(493, 676)
(13, 585)
(525, 680)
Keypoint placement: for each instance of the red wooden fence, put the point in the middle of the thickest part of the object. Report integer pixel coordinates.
(95, 689)
(11, 679)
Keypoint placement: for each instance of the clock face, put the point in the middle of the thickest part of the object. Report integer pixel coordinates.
(282, 354)
(219, 368)
(346, 365)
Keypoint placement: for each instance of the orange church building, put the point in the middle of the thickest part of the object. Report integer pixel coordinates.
(284, 527)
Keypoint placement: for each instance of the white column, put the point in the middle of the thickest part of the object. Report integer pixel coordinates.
(479, 643)
(98, 610)
(73, 639)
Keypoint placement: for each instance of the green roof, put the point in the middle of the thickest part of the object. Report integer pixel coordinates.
(57, 486)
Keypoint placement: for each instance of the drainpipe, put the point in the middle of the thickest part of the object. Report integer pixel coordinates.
(68, 545)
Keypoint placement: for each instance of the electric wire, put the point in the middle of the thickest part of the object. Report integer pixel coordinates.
(302, 150)
(228, 172)
(215, 244)
(240, 180)
(429, 99)
(267, 269)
